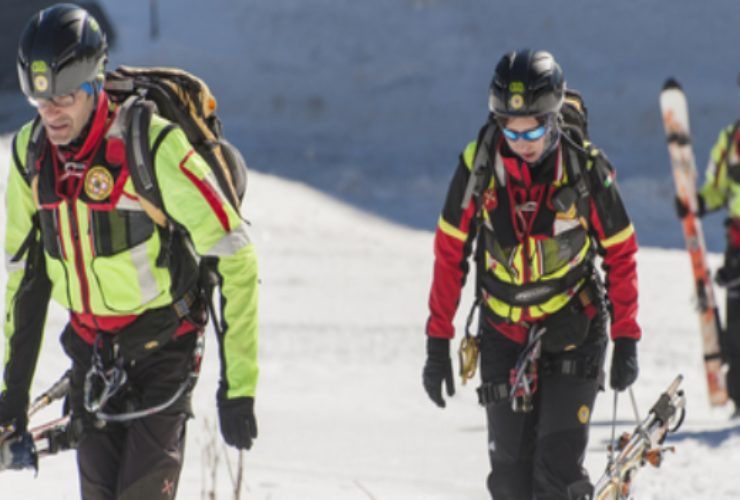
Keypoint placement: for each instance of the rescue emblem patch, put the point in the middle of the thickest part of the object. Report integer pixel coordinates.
(98, 183)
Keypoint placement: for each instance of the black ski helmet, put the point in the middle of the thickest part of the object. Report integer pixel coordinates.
(60, 48)
(526, 83)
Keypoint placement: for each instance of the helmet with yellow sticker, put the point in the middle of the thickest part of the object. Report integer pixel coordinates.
(526, 83)
(61, 48)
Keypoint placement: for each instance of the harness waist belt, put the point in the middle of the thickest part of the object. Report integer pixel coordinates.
(531, 294)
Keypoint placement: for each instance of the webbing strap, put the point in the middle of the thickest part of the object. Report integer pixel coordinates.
(530, 294)
(184, 306)
(581, 368)
(492, 393)
(35, 143)
(479, 172)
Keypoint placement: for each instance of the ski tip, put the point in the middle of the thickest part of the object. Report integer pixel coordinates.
(671, 83)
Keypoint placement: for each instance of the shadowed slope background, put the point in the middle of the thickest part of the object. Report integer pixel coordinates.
(373, 101)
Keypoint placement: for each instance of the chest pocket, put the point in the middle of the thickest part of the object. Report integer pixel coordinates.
(561, 249)
(114, 231)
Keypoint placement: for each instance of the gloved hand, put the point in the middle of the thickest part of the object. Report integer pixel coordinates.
(238, 423)
(682, 210)
(438, 369)
(18, 453)
(13, 413)
(729, 274)
(624, 363)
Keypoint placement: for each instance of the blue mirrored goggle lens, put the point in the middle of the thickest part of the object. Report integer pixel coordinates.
(528, 135)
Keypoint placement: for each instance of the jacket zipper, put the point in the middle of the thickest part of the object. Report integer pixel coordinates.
(77, 247)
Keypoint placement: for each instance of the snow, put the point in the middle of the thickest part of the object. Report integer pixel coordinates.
(342, 414)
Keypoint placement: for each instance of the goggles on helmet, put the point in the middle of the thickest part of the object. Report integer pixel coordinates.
(61, 101)
(530, 135)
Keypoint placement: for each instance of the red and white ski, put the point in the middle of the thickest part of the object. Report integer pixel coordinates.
(675, 111)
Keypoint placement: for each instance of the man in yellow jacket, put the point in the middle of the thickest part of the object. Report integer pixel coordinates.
(77, 232)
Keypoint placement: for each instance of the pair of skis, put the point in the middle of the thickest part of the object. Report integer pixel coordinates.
(675, 111)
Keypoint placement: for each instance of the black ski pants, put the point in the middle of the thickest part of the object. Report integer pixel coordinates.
(141, 458)
(539, 454)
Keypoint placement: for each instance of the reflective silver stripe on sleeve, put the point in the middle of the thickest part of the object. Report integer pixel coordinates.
(13, 266)
(231, 242)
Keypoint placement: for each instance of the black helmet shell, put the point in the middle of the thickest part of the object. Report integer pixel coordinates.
(526, 83)
(60, 48)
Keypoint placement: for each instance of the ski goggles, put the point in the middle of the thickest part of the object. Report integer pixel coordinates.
(528, 135)
(61, 101)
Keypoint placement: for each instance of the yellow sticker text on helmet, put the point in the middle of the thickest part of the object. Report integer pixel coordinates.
(98, 183)
(516, 101)
(93, 24)
(583, 414)
(517, 87)
(39, 67)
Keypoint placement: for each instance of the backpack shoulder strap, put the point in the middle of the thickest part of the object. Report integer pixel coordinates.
(132, 123)
(577, 157)
(33, 151)
(481, 170)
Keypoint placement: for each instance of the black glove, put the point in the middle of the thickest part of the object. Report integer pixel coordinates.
(624, 363)
(13, 413)
(18, 453)
(238, 424)
(682, 210)
(438, 368)
(729, 274)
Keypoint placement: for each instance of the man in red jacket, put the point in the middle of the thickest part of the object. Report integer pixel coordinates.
(537, 202)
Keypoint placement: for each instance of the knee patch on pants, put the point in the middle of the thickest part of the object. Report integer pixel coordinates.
(510, 480)
(558, 462)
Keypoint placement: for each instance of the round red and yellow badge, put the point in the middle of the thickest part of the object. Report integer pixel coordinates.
(516, 101)
(98, 183)
(40, 83)
(489, 199)
(583, 414)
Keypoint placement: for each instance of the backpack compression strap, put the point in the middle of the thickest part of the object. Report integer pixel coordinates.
(577, 174)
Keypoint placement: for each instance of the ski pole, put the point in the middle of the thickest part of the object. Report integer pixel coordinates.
(634, 405)
(610, 460)
(56, 391)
